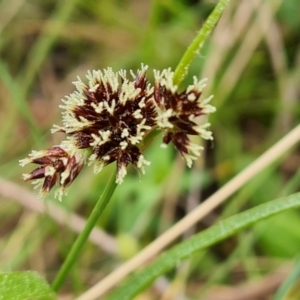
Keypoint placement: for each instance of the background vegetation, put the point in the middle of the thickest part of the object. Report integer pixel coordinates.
(252, 61)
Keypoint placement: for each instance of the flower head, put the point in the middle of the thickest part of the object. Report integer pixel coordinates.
(107, 118)
(110, 114)
(178, 112)
(59, 164)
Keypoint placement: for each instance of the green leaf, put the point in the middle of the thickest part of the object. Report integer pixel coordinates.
(290, 288)
(24, 286)
(194, 48)
(202, 240)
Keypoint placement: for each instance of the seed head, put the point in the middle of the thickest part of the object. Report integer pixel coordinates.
(60, 164)
(110, 114)
(107, 118)
(178, 112)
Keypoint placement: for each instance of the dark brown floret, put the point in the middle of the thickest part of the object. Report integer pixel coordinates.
(58, 165)
(106, 119)
(178, 113)
(110, 115)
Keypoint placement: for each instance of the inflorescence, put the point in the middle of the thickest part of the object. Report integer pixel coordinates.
(107, 118)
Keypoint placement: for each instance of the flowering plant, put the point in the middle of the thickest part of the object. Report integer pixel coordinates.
(110, 118)
(106, 119)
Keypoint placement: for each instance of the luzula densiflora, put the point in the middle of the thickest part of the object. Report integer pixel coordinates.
(107, 118)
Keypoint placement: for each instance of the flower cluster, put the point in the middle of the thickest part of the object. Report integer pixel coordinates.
(107, 118)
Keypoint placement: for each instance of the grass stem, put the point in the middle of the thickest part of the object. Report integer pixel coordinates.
(198, 42)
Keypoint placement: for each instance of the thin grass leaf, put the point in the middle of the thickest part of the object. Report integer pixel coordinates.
(289, 289)
(194, 49)
(204, 239)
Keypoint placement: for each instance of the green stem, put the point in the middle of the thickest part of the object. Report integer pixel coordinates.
(198, 42)
(83, 236)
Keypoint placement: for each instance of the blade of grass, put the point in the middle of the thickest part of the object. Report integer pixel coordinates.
(286, 292)
(197, 214)
(201, 241)
(199, 41)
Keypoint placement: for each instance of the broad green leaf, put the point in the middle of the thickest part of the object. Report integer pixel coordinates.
(202, 240)
(24, 286)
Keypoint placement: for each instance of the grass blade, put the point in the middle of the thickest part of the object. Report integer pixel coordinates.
(290, 288)
(198, 42)
(204, 239)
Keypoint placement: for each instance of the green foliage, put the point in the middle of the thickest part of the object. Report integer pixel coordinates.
(44, 45)
(24, 286)
(200, 241)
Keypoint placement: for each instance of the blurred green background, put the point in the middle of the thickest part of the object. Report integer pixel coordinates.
(252, 61)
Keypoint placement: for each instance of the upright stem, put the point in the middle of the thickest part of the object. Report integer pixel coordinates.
(198, 42)
(83, 236)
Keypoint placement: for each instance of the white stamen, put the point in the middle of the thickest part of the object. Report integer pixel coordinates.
(163, 119)
(104, 137)
(25, 161)
(64, 175)
(125, 133)
(26, 176)
(111, 108)
(94, 88)
(194, 151)
(121, 174)
(49, 171)
(123, 145)
(191, 97)
(137, 114)
(205, 134)
(98, 108)
(141, 163)
(98, 164)
(141, 128)
(142, 103)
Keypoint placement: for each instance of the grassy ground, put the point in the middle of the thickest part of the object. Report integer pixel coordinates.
(253, 65)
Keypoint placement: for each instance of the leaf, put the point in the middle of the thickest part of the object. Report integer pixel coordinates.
(24, 286)
(290, 288)
(202, 240)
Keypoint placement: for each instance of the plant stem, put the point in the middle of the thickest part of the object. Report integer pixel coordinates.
(83, 236)
(198, 42)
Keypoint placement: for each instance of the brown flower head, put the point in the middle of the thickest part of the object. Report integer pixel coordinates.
(60, 164)
(178, 112)
(106, 119)
(110, 114)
